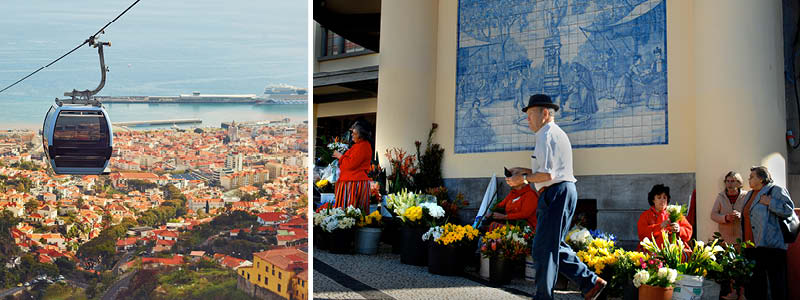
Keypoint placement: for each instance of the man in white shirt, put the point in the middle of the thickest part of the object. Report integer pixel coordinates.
(551, 173)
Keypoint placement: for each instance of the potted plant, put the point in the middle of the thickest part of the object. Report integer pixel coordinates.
(416, 216)
(369, 233)
(340, 226)
(655, 281)
(446, 250)
(320, 235)
(505, 246)
(735, 269)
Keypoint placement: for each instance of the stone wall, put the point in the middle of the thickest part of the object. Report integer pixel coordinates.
(255, 291)
(620, 198)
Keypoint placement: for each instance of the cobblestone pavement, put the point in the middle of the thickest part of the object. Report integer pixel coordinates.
(382, 276)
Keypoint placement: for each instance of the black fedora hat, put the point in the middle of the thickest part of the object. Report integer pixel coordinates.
(540, 100)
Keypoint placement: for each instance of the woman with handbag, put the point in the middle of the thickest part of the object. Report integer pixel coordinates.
(766, 209)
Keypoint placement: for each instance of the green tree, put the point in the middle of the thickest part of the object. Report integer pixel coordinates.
(31, 206)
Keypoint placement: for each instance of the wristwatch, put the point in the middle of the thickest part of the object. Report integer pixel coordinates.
(525, 178)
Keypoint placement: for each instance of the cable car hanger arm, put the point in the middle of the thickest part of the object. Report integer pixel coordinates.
(85, 96)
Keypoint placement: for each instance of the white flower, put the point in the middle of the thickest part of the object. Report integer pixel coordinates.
(717, 249)
(330, 223)
(673, 275)
(318, 219)
(699, 244)
(582, 236)
(434, 210)
(433, 234)
(663, 273)
(640, 278)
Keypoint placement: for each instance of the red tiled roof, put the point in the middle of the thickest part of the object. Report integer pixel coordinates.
(126, 242)
(165, 243)
(231, 262)
(175, 260)
(271, 216)
(283, 257)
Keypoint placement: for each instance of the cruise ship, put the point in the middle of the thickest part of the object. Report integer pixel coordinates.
(283, 94)
(273, 94)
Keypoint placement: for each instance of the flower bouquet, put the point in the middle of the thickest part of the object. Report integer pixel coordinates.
(676, 212)
(505, 246)
(403, 170)
(619, 273)
(599, 253)
(324, 186)
(654, 280)
(448, 245)
(702, 259)
(578, 238)
(416, 217)
(671, 252)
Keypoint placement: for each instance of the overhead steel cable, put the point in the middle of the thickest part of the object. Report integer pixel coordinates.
(91, 38)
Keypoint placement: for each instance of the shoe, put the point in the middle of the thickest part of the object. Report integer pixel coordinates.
(599, 285)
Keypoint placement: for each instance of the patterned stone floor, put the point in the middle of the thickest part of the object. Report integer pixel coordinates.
(382, 276)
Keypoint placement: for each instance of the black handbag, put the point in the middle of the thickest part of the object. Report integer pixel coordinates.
(790, 226)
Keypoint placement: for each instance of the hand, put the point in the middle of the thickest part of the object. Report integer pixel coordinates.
(336, 154)
(674, 227)
(664, 224)
(498, 216)
(765, 200)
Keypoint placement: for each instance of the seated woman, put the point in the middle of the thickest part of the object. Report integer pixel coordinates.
(656, 219)
(520, 204)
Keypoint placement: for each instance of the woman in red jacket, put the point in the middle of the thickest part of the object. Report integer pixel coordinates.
(656, 219)
(520, 204)
(352, 188)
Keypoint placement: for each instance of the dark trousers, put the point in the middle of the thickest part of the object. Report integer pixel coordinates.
(769, 274)
(551, 255)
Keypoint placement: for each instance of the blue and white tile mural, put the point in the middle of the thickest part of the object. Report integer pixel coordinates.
(603, 61)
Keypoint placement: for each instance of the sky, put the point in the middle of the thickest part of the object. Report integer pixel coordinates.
(158, 47)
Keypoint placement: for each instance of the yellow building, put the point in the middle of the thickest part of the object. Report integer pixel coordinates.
(278, 273)
(722, 103)
(299, 288)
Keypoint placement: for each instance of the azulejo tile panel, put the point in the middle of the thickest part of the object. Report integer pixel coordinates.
(603, 61)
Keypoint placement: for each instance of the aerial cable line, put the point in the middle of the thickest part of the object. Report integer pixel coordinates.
(91, 38)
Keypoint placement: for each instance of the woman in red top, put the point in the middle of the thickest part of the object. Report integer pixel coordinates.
(352, 188)
(520, 204)
(656, 219)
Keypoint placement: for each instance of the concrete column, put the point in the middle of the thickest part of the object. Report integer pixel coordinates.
(407, 75)
(739, 94)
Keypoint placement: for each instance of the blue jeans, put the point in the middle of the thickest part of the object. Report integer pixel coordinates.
(550, 252)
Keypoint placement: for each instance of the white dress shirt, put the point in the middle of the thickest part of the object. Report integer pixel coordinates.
(553, 155)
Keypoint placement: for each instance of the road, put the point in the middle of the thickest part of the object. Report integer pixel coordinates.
(121, 262)
(118, 286)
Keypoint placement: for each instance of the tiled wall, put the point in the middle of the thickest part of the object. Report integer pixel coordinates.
(603, 61)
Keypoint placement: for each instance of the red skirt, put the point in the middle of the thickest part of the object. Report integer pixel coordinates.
(353, 193)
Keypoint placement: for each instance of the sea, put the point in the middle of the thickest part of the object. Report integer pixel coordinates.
(159, 48)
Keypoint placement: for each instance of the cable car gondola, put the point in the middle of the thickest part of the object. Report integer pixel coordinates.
(77, 135)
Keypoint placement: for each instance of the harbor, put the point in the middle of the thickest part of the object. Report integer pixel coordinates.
(158, 122)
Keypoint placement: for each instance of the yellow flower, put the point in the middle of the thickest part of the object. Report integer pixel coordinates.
(413, 213)
(322, 183)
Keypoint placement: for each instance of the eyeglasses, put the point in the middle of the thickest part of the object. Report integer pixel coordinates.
(731, 181)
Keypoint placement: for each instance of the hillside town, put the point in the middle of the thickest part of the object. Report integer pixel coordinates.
(233, 197)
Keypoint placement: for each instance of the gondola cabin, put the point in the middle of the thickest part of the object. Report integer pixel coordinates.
(77, 139)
